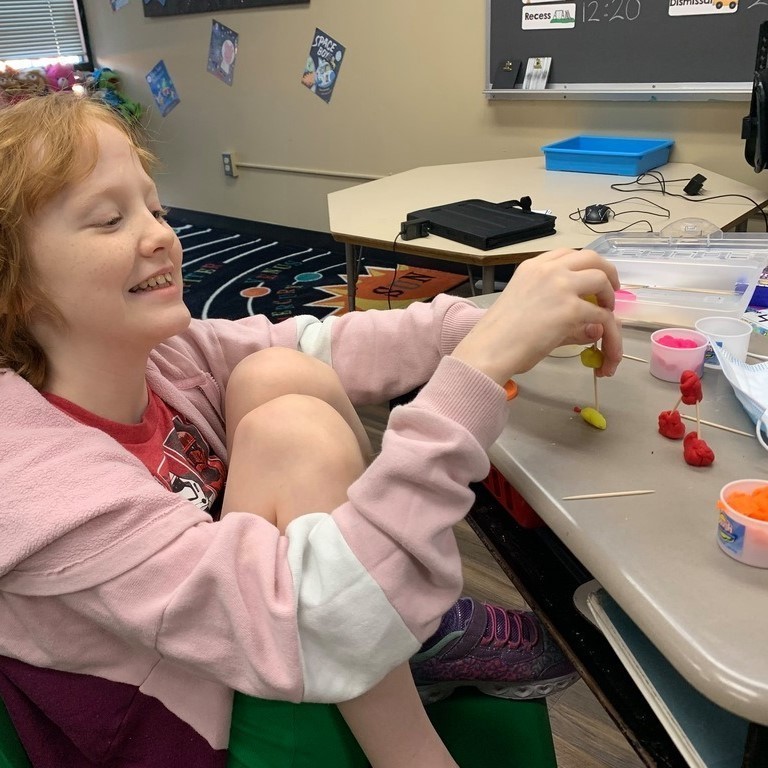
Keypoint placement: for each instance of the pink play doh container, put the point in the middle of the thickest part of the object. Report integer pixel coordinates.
(668, 362)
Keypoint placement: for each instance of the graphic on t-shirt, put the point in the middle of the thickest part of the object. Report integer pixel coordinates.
(189, 468)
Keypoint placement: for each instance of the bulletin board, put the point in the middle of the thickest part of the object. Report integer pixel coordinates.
(177, 7)
(686, 50)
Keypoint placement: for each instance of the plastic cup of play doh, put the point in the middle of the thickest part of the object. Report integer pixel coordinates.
(728, 332)
(739, 535)
(674, 350)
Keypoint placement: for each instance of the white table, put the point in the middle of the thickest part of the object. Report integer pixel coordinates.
(656, 555)
(370, 214)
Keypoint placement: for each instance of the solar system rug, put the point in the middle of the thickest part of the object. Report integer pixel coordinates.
(232, 275)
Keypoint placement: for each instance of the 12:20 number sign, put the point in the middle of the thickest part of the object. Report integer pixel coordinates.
(610, 10)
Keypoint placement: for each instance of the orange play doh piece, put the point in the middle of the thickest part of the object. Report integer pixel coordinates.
(753, 504)
(511, 389)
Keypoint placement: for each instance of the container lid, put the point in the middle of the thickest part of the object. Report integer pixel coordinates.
(749, 249)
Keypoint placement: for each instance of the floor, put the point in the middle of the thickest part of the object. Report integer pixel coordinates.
(584, 735)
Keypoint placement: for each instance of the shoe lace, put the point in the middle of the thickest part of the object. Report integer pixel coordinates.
(513, 629)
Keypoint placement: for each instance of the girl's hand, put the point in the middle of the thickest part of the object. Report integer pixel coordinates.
(543, 307)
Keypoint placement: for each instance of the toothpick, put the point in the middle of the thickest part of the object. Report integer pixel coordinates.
(720, 426)
(594, 379)
(679, 288)
(605, 495)
(639, 359)
(757, 357)
(679, 400)
(698, 421)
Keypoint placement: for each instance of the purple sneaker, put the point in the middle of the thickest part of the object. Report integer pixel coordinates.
(500, 652)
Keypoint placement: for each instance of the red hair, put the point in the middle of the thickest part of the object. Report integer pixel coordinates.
(43, 141)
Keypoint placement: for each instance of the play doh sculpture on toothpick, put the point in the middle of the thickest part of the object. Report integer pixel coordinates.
(592, 357)
(696, 452)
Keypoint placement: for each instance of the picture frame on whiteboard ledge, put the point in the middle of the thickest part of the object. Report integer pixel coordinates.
(179, 7)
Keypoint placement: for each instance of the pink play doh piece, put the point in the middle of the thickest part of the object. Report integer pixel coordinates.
(623, 295)
(676, 342)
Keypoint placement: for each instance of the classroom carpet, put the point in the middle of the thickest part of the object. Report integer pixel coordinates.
(231, 274)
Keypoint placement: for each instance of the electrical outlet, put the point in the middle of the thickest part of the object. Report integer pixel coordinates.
(230, 164)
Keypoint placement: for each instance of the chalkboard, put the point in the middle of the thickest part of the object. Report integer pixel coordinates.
(625, 49)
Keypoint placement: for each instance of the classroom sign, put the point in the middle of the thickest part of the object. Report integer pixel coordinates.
(552, 16)
(701, 7)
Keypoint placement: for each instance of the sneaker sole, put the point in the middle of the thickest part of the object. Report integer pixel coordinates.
(519, 691)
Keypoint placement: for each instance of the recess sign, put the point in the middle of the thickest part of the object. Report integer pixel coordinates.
(553, 16)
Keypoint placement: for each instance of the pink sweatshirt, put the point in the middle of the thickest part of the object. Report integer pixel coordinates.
(105, 573)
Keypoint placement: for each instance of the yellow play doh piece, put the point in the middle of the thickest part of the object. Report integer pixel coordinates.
(594, 418)
(592, 357)
(591, 298)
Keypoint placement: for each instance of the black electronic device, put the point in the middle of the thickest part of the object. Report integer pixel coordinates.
(596, 214)
(485, 225)
(754, 127)
(694, 185)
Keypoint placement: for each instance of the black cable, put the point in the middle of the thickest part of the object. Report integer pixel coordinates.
(665, 214)
(394, 274)
(659, 179)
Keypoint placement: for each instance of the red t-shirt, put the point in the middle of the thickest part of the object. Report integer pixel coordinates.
(72, 720)
(172, 449)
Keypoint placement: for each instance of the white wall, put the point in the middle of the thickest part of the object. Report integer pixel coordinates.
(409, 93)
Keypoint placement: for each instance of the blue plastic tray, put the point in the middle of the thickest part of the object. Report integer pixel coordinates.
(607, 154)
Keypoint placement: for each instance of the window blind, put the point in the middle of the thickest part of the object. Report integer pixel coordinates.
(38, 29)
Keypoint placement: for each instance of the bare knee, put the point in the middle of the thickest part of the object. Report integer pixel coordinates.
(295, 425)
(278, 371)
(292, 455)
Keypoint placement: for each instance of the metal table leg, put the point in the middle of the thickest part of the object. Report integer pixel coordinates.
(489, 283)
(349, 252)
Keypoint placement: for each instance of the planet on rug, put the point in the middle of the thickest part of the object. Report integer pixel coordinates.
(230, 275)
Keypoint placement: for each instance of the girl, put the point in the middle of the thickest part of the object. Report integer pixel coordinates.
(130, 612)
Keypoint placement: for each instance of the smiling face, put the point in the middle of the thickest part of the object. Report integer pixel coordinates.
(104, 255)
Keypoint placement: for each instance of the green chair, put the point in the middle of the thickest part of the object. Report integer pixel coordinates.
(478, 730)
(12, 754)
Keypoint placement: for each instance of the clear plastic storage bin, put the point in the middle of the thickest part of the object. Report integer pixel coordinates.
(669, 281)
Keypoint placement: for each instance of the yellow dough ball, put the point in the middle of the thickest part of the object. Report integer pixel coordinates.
(594, 418)
(592, 357)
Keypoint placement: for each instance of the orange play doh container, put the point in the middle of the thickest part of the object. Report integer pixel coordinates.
(741, 533)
